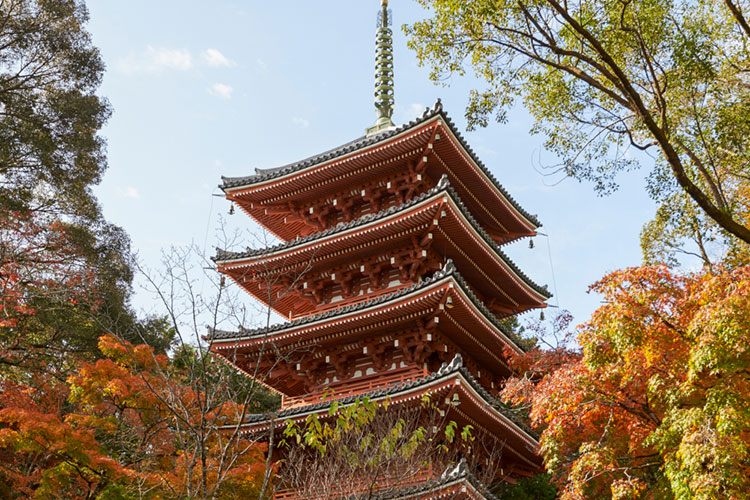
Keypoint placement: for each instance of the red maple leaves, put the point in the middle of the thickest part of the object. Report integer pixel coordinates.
(658, 400)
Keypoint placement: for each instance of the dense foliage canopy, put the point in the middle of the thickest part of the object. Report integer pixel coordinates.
(50, 150)
(84, 416)
(605, 78)
(657, 405)
(51, 155)
(113, 431)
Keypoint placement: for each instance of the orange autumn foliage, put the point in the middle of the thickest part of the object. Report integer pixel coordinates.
(42, 455)
(48, 295)
(180, 448)
(118, 437)
(35, 255)
(657, 404)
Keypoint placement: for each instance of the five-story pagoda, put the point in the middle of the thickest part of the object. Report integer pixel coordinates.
(392, 277)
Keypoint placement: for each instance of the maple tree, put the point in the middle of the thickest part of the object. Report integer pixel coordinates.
(657, 403)
(49, 304)
(180, 449)
(43, 455)
(112, 432)
(126, 421)
(48, 295)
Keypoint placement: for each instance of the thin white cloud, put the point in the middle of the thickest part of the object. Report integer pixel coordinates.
(262, 66)
(128, 192)
(406, 113)
(486, 151)
(220, 90)
(300, 122)
(153, 60)
(215, 59)
(178, 59)
(415, 109)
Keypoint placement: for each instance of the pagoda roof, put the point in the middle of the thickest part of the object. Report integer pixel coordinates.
(454, 371)
(443, 186)
(455, 366)
(261, 176)
(447, 272)
(453, 476)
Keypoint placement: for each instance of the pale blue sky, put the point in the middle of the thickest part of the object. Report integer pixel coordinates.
(201, 89)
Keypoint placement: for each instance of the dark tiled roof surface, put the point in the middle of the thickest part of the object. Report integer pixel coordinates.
(454, 367)
(442, 186)
(454, 474)
(362, 142)
(448, 270)
(223, 255)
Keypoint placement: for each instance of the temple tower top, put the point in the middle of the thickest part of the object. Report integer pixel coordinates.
(384, 95)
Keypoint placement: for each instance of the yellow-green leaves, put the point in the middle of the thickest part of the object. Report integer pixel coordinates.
(607, 79)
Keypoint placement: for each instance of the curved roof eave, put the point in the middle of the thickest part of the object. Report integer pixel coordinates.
(455, 367)
(265, 175)
(223, 256)
(448, 272)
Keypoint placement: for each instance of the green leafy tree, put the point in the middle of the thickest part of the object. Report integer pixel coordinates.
(531, 488)
(603, 77)
(678, 220)
(50, 153)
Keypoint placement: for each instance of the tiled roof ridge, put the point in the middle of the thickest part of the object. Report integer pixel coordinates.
(494, 401)
(542, 290)
(222, 254)
(356, 144)
(351, 146)
(449, 269)
(442, 185)
(452, 474)
(455, 366)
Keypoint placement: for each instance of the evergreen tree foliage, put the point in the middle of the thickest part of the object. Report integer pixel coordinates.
(532, 488)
